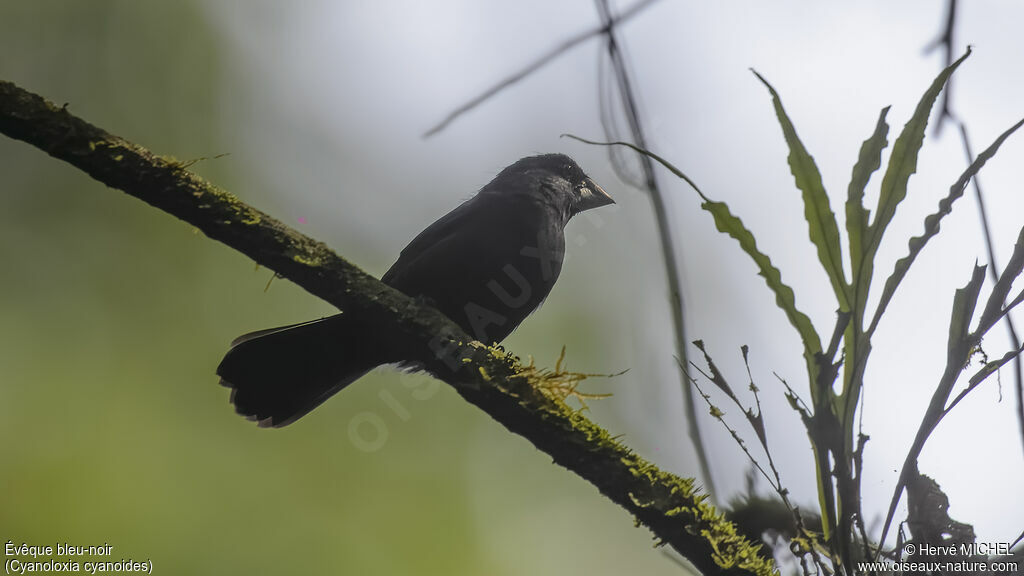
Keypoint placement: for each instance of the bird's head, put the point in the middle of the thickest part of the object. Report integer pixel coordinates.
(551, 179)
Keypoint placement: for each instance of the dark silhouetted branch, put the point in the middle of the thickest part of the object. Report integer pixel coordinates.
(487, 377)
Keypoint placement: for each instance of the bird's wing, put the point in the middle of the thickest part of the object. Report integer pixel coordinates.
(431, 236)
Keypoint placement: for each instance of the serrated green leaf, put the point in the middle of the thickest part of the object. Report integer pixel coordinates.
(856, 347)
(997, 299)
(903, 162)
(726, 222)
(957, 353)
(733, 226)
(964, 302)
(821, 221)
(869, 160)
(931, 224)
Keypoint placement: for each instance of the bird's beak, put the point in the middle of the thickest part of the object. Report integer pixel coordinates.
(590, 195)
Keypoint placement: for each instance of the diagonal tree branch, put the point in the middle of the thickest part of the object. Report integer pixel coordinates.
(671, 506)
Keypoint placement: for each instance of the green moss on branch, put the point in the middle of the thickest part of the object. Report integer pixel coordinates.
(496, 382)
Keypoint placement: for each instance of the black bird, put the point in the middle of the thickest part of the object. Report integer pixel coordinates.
(486, 265)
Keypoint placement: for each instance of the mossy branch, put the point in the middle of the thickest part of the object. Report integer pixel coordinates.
(496, 382)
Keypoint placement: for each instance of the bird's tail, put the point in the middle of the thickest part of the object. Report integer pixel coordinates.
(278, 375)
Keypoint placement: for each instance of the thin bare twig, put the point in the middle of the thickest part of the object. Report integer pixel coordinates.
(665, 233)
(945, 40)
(803, 541)
(537, 64)
(719, 415)
(755, 418)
